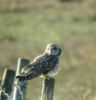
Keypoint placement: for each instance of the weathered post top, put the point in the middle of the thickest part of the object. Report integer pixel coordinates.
(6, 83)
(20, 91)
(48, 88)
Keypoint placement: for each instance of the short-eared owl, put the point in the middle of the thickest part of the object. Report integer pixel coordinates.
(45, 64)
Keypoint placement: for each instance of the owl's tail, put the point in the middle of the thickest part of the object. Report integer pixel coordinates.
(25, 77)
(21, 78)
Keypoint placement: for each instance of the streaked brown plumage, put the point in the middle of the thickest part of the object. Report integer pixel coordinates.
(45, 64)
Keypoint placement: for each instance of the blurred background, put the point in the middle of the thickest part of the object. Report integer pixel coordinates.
(27, 26)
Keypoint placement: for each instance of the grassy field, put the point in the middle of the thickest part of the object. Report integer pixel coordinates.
(73, 26)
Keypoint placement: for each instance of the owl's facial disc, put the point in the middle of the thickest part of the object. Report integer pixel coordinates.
(53, 49)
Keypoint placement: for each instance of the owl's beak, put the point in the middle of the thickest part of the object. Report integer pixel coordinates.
(60, 51)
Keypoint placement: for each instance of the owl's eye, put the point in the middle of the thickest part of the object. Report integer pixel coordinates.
(55, 48)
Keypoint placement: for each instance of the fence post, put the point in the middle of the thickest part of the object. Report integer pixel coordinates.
(6, 84)
(19, 93)
(48, 88)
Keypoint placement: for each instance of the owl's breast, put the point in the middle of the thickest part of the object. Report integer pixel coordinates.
(51, 64)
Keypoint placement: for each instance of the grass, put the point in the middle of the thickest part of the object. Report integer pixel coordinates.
(25, 34)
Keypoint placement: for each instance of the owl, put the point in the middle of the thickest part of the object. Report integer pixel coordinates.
(45, 64)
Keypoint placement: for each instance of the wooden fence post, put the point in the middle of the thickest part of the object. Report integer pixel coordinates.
(20, 92)
(6, 84)
(48, 88)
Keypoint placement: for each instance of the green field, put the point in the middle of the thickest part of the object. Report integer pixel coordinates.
(72, 25)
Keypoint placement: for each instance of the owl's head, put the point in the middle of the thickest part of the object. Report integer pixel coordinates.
(53, 49)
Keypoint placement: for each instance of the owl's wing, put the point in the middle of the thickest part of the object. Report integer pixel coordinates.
(37, 68)
(29, 73)
(33, 70)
